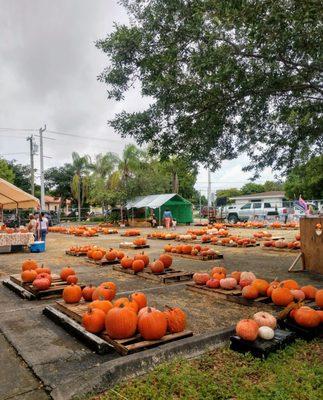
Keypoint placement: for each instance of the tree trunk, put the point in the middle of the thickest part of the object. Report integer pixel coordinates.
(175, 182)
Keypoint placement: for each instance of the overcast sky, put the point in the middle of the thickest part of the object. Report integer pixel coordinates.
(48, 75)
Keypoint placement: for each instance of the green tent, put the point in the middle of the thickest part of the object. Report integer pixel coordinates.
(181, 208)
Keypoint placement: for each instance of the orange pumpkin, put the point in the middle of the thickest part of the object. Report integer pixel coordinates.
(111, 255)
(43, 270)
(247, 329)
(29, 264)
(218, 275)
(250, 292)
(126, 262)
(28, 275)
(94, 320)
(104, 305)
(138, 265)
(281, 296)
(186, 249)
(200, 278)
(72, 279)
(72, 294)
(168, 248)
(103, 293)
(157, 267)
(87, 292)
(307, 317)
(121, 322)
(65, 272)
(143, 257)
(140, 299)
(310, 291)
(221, 270)
(176, 319)
(152, 325)
(166, 259)
(110, 285)
(319, 298)
(290, 284)
(121, 254)
(261, 285)
(236, 275)
(97, 255)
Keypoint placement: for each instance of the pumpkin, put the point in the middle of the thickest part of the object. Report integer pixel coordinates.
(103, 293)
(310, 291)
(28, 275)
(320, 313)
(266, 333)
(247, 329)
(261, 285)
(43, 270)
(152, 325)
(121, 322)
(89, 253)
(218, 275)
(200, 278)
(236, 275)
(273, 285)
(166, 259)
(263, 318)
(94, 320)
(157, 267)
(228, 283)
(126, 262)
(289, 284)
(307, 317)
(104, 305)
(144, 310)
(186, 249)
(121, 300)
(140, 299)
(97, 255)
(41, 283)
(29, 264)
(250, 292)
(319, 298)
(138, 265)
(65, 272)
(213, 283)
(72, 293)
(72, 279)
(221, 270)
(120, 255)
(111, 255)
(245, 282)
(143, 257)
(281, 296)
(168, 248)
(87, 292)
(176, 319)
(110, 285)
(247, 275)
(45, 275)
(298, 295)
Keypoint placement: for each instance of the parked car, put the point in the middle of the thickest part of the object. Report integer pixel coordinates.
(252, 210)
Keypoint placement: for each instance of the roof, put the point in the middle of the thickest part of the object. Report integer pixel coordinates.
(12, 197)
(153, 200)
(51, 199)
(272, 194)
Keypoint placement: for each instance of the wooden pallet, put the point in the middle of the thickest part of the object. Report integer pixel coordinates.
(198, 257)
(262, 348)
(155, 238)
(267, 239)
(237, 245)
(133, 246)
(77, 235)
(170, 275)
(75, 254)
(70, 317)
(103, 262)
(27, 291)
(301, 332)
(122, 234)
(235, 295)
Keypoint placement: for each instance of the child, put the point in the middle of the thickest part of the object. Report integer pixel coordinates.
(174, 223)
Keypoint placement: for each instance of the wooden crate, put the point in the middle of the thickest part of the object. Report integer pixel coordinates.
(26, 290)
(235, 295)
(312, 244)
(103, 262)
(75, 254)
(133, 246)
(216, 256)
(170, 275)
(281, 250)
(70, 317)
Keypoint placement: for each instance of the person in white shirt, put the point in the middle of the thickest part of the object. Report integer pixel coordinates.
(32, 225)
(42, 227)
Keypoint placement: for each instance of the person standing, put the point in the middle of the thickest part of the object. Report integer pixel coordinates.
(42, 227)
(32, 224)
(167, 218)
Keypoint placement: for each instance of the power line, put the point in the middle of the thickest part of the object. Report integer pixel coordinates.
(81, 136)
(18, 129)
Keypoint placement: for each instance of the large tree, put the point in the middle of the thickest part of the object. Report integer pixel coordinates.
(223, 76)
(6, 171)
(58, 181)
(306, 180)
(80, 179)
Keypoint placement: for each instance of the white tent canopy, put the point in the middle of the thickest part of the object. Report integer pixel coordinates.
(11, 197)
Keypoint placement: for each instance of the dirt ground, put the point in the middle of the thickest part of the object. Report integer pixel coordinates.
(22, 323)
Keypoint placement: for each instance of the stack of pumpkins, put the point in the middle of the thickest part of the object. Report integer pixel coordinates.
(39, 276)
(80, 249)
(140, 242)
(195, 250)
(141, 261)
(261, 326)
(132, 232)
(97, 253)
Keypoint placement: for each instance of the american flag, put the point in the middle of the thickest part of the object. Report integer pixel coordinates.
(302, 203)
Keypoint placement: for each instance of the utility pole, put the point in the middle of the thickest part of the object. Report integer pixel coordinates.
(30, 139)
(42, 186)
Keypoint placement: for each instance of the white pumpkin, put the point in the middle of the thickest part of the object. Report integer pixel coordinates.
(247, 275)
(266, 333)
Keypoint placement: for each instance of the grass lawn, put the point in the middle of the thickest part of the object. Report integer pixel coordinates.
(295, 373)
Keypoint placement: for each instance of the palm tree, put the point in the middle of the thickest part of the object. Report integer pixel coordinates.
(80, 181)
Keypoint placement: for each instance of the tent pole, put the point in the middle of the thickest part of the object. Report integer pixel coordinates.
(159, 217)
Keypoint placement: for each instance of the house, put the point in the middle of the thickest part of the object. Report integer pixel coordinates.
(274, 198)
(52, 203)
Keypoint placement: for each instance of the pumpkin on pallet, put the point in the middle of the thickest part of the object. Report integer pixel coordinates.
(140, 242)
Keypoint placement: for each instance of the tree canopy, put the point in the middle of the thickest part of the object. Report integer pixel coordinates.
(6, 171)
(306, 180)
(223, 76)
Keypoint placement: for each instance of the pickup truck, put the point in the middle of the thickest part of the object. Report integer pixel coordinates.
(251, 211)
